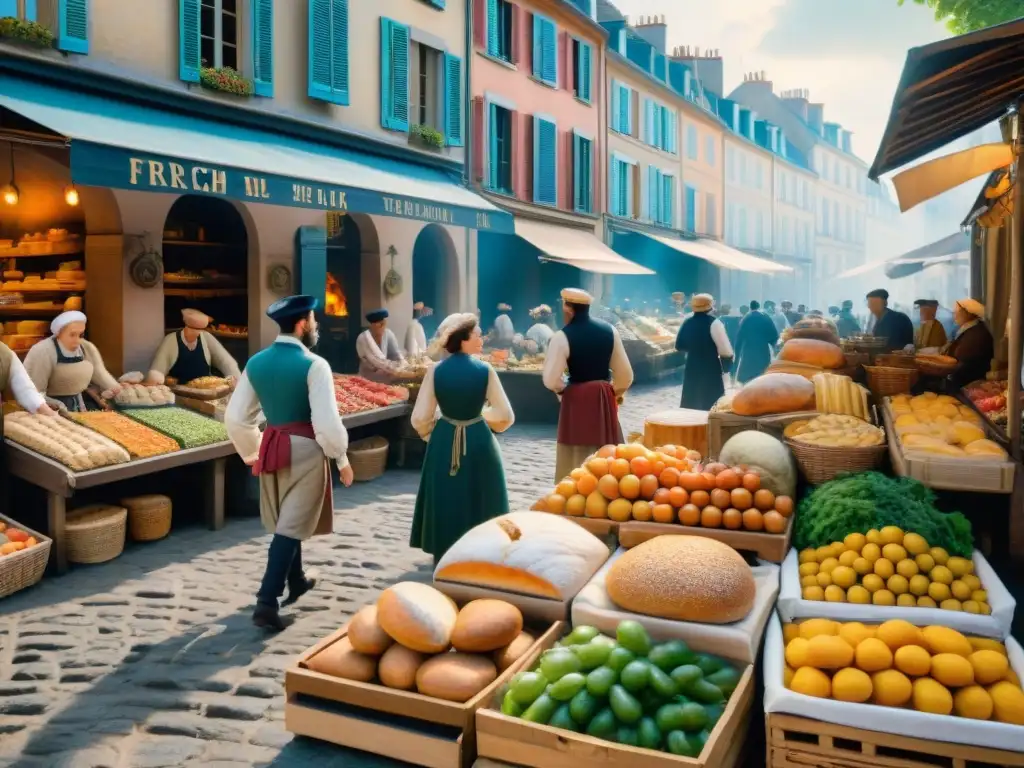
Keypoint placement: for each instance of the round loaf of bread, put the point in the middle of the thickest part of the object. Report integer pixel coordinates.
(486, 625)
(398, 667)
(511, 653)
(417, 616)
(455, 676)
(687, 578)
(366, 634)
(340, 659)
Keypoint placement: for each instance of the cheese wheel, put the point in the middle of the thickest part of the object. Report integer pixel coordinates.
(486, 625)
(366, 634)
(398, 667)
(511, 653)
(455, 676)
(340, 659)
(687, 578)
(417, 616)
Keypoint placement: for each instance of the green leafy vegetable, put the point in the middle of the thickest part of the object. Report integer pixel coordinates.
(860, 502)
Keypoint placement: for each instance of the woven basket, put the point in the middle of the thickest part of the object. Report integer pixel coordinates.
(369, 458)
(149, 517)
(896, 360)
(932, 368)
(854, 359)
(24, 568)
(884, 381)
(95, 534)
(821, 463)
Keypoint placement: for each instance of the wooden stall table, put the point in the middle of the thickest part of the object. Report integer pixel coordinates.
(678, 426)
(61, 483)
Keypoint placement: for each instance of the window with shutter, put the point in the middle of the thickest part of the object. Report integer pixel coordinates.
(328, 51)
(615, 116)
(499, 157)
(545, 161)
(72, 24)
(582, 78)
(691, 142)
(262, 15)
(545, 50)
(500, 29)
(189, 58)
(626, 110)
(452, 100)
(394, 75)
(583, 164)
(691, 209)
(668, 200)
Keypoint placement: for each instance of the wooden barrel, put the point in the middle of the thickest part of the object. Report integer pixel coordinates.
(678, 426)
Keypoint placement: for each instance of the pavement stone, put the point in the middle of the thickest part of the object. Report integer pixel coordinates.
(151, 660)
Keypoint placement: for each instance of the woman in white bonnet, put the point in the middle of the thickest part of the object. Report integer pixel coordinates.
(63, 366)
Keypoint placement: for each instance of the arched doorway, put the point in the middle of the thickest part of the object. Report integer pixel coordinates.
(349, 237)
(435, 274)
(205, 254)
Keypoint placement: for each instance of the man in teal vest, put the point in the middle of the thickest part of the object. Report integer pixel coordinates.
(293, 389)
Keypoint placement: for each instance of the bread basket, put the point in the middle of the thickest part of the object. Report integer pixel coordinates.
(935, 365)
(25, 568)
(149, 516)
(821, 463)
(95, 534)
(884, 381)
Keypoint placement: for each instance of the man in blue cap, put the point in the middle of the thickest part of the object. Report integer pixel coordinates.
(294, 390)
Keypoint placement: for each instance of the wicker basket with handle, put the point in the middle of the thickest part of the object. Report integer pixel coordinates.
(369, 458)
(149, 516)
(95, 533)
(821, 463)
(884, 381)
(25, 568)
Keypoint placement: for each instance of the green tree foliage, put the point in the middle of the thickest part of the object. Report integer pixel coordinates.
(969, 15)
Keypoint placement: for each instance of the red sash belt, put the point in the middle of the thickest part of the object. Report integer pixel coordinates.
(589, 415)
(276, 446)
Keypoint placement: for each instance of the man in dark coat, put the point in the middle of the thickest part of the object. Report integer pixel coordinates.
(731, 323)
(895, 327)
(973, 346)
(846, 321)
(791, 317)
(705, 342)
(754, 343)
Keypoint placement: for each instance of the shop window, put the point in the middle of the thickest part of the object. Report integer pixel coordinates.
(500, 165)
(218, 33)
(426, 81)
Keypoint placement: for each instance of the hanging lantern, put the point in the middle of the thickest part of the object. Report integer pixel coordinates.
(10, 194)
(71, 196)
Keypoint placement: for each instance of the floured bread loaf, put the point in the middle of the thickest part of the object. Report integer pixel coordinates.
(533, 553)
(417, 616)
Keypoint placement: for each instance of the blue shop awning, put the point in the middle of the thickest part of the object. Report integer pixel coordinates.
(129, 146)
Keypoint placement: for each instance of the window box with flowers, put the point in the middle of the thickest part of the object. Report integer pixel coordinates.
(22, 31)
(226, 80)
(426, 136)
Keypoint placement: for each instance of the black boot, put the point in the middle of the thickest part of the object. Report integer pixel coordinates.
(298, 584)
(279, 562)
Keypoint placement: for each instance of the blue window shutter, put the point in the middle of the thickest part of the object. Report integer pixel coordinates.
(577, 168)
(545, 162)
(538, 48)
(262, 13)
(188, 40)
(339, 50)
(614, 189)
(616, 125)
(492, 155)
(691, 208)
(453, 100)
(328, 50)
(394, 75)
(584, 86)
(73, 26)
(545, 50)
(626, 110)
(492, 27)
(587, 163)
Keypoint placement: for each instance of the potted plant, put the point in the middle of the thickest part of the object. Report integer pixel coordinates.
(19, 30)
(427, 136)
(225, 79)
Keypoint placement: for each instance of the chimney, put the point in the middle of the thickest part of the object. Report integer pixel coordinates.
(846, 138)
(707, 68)
(816, 118)
(760, 78)
(796, 101)
(832, 134)
(654, 29)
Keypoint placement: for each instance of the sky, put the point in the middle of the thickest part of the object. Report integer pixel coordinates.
(848, 53)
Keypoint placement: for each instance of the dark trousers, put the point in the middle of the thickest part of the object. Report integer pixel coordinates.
(284, 565)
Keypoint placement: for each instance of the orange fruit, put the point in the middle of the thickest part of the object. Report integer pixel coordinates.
(663, 513)
(707, 481)
(618, 468)
(566, 488)
(774, 522)
(576, 505)
(751, 481)
(727, 479)
(669, 477)
(579, 472)
(30, 542)
(784, 505)
(608, 487)
(661, 496)
(586, 484)
(19, 545)
(629, 451)
(642, 511)
(597, 505)
(598, 467)
(668, 450)
(693, 456)
(640, 466)
(648, 485)
(700, 498)
(711, 517)
(742, 499)
(721, 498)
(732, 519)
(555, 503)
(657, 467)
(607, 451)
(753, 520)
(620, 510)
(689, 514)
(629, 487)
(764, 499)
(715, 467)
(689, 481)
(677, 497)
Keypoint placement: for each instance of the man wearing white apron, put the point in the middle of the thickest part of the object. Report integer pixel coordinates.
(415, 336)
(378, 350)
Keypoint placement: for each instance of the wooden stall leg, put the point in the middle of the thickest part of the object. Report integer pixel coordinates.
(213, 492)
(56, 509)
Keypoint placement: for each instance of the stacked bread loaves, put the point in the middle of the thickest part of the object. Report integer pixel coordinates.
(416, 638)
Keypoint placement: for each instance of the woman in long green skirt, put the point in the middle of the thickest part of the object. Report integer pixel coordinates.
(463, 479)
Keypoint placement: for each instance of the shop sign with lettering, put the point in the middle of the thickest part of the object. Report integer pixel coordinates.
(102, 166)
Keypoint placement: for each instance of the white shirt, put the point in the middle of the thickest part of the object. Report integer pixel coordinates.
(426, 412)
(558, 360)
(24, 391)
(244, 414)
(540, 333)
(374, 355)
(721, 338)
(415, 339)
(503, 328)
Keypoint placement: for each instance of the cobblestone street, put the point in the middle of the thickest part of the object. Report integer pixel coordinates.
(151, 660)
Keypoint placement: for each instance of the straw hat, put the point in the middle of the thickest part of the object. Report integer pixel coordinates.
(702, 302)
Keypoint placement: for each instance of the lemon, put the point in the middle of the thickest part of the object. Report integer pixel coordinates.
(894, 553)
(828, 565)
(834, 594)
(897, 584)
(939, 555)
(941, 574)
(854, 632)
(787, 676)
(823, 552)
(789, 632)
(918, 585)
(811, 682)
(938, 592)
(897, 633)
(989, 666)
(808, 555)
(851, 684)
(837, 548)
(952, 604)
(813, 593)
(862, 566)
(924, 601)
(906, 600)
(907, 568)
(915, 544)
(824, 579)
(985, 608)
(855, 541)
(808, 581)
(883, 597)
(971, 606)
(892, 688)
(814, 627)
(944, 640)
(960, 590)
(971, 581)
(808, 569)
(858, 594)
(960, 566)
(873, 536)
(925, 562)
(871, 552)
(872, 655)
(979, 596)
(973, 702)
(913, 660)
(873, 582)
(848, 557)
(796, 652)
(891, 534)
(844, 576)
(952, 670)
(932, 696)
(884, 568)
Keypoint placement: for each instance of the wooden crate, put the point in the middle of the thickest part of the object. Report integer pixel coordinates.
(722, 426)
(401, 725)
(798, 742)
(512, 741)
(768, 546)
